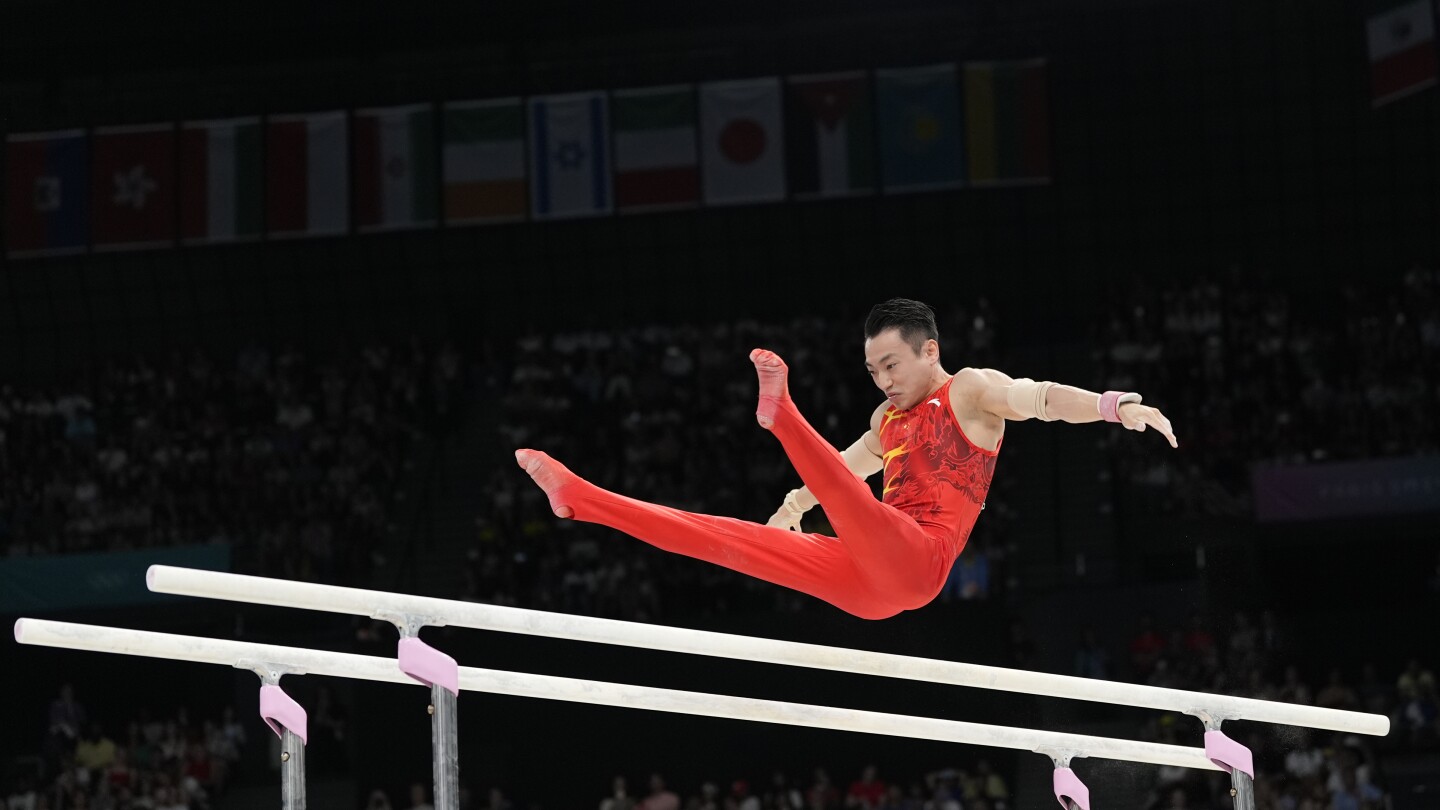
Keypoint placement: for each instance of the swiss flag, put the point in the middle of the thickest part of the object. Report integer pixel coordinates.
(133, 187)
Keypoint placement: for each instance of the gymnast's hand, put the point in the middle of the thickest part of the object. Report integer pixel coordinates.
(789, 514)
(1135, 416)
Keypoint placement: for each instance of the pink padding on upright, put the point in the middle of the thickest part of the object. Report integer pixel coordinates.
(280, 711)
(1228, 754)
(1069, 786)
(428, 665)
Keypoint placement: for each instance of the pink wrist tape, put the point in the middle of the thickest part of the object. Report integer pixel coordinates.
(1110, 403)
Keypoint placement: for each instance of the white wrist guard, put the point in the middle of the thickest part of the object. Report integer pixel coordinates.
(792, 503)
(1027, 398)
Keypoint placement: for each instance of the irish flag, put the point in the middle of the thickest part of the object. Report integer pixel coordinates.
(484, 161)
(1402, 50)
(655, 161)
(220, 180)
(395, 168)
(307, 175)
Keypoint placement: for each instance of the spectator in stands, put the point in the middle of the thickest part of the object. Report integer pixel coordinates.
(659, 797)
(619, 798)
(1091, 658)
(867, 791)
(1145, 648)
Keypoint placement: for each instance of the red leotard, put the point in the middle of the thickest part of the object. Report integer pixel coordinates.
(933, 472)
(888, 556)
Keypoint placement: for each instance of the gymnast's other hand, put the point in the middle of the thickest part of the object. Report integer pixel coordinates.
(1135, 416)
(789, 514)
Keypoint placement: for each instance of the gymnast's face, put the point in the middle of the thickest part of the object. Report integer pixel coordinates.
(901, 373)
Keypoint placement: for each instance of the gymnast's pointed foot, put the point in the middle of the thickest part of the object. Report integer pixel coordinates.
(774, 389)
(551, 476)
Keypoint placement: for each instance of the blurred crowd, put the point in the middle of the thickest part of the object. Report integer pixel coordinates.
(975, 787)
(666, 414)
(290, 459)
(1258, 372)
(155, 762)
(1255, 658)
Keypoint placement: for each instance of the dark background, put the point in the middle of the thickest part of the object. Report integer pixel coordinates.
(1190, 139)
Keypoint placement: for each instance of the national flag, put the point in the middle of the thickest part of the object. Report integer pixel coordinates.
(830, 130)
(1007, 123)
(47, 193)
(395, 171)
(742, 136)
(220, 180)
(132, 186)
(569, 156)
(919, 128)
(307, 175)
(484, 161)
(1402, 50)
(655, 162)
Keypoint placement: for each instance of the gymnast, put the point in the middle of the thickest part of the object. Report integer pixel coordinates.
(935, 439)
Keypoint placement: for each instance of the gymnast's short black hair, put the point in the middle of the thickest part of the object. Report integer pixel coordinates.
(914, 319)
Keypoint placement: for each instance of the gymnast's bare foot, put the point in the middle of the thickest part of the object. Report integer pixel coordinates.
(551, 475)
(773, 374)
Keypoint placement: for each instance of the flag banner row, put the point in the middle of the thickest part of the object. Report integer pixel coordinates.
(1400, 37)
(540, 158)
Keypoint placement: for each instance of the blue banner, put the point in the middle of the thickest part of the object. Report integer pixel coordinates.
(920, 147)
(32, 585)
(1401, 486)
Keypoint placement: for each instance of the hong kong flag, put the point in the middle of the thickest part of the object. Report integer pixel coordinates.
(47, 193)
(133, 187)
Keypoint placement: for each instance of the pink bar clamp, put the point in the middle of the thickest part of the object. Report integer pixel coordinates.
(1068, 786)
(428, 665)
(280, 712)
(1228, 754)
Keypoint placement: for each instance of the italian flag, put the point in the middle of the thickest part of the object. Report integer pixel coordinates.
(395, 171)
(484, 161)
(1401, 40)
(220, 180)
(655, 158)
(307, 175)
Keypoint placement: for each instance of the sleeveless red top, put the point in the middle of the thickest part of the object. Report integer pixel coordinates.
(933, 472)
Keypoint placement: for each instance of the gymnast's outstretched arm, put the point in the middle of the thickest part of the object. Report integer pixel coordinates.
(997, 393)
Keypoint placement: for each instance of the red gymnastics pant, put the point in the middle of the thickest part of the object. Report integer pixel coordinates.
(881, 562)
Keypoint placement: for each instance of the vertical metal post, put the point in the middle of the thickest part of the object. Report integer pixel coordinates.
(292, 771)
(288, 720)
(1233, 758)
(1242, 790)
(438, 671)
(445, 743)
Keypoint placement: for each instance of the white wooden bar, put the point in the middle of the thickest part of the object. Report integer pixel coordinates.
(346, 665)
(355, 601)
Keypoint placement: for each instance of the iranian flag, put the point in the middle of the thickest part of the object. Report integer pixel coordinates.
(220, 180)
(395, 169)
(830, 132)
(655, 162)
(741, 135)
(484, 161)
(1402, 51)
(307, 177)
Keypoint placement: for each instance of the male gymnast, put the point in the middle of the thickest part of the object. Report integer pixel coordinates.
(935, 437)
